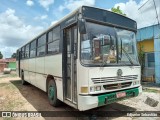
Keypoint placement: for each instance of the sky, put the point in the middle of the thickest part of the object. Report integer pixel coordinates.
(22, 20)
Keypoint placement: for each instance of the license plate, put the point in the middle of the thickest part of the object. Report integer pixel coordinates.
(121, 94)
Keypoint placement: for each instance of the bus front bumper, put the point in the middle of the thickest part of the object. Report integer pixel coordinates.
(89, 102)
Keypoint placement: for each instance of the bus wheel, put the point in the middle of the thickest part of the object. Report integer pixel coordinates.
(22, 78)
(52, 93)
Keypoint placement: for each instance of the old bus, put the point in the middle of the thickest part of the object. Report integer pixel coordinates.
(86, 60)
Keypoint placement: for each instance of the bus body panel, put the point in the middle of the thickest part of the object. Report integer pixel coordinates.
(36, 71)
(82, 77)
(25, 64)
(40, 77)
(39, 65)
(53, 65)
(59, 88)
(26, 76)
(32, 71)
(41, 80)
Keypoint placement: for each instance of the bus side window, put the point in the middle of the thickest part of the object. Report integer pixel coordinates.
(23, 52)
(41, 45)
(27, 51)
(53, 41)
(33, 49)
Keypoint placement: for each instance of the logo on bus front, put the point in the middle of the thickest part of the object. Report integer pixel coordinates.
(119, 72)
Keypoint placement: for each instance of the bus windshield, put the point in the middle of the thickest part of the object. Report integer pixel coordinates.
(104, 45)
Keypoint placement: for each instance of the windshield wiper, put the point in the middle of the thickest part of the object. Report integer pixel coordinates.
(129, 58)
(103, 63)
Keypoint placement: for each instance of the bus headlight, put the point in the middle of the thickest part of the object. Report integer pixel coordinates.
(98, 88)
(136, 82)
(91, 89)
(95, 88)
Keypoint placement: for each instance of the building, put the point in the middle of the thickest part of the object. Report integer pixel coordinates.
(11, 62)
(3, 65)
(7, 63)
(148, 39)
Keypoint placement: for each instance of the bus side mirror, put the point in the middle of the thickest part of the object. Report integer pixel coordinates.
(82, 26)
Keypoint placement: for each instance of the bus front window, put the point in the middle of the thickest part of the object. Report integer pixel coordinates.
(99, 46)
(127, 47)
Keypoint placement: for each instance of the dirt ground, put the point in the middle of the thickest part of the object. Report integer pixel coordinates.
(16, 97)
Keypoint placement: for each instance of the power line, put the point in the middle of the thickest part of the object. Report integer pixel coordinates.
(142, 5)
(156, 12)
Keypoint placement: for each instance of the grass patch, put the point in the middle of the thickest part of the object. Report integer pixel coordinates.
(4, 84)
(8, 75)
(9, 118)
(13, 75)
(10, 86)
(151, 90)
(11, 105)
(3, 76)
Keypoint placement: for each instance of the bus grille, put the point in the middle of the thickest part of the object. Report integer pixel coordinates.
(114, 79)
(117, 86)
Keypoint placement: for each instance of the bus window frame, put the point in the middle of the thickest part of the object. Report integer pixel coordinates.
(106, 24)
(41, 45)
(33, 48)
(28, 51)
(56, 29)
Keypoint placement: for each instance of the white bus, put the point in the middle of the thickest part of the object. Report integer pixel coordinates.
(86, 60)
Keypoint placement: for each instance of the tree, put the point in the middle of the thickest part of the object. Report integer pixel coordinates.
(13, 55)
(141, 57)
(1, 56)
(118, 10)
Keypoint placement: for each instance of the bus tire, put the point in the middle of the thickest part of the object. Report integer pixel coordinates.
(22, 79)
(52, 93)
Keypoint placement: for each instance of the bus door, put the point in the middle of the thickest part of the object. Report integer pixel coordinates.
(70, 53)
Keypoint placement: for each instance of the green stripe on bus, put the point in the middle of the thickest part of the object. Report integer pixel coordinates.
(111, 97)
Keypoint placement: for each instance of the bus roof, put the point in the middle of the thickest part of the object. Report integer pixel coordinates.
(99, 15)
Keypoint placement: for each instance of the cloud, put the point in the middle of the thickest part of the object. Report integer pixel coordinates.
(43, 17)
(145, 16)
(7, 51)
(61, 8)
(46, 3)
(73, 4)
(14, 32)
(29, 2)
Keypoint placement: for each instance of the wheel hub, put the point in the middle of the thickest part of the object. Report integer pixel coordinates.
(51, 92)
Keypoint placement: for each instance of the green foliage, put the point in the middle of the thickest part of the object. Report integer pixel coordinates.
(141, 57)
(1, 56)
(118, 10)
(13, 55)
